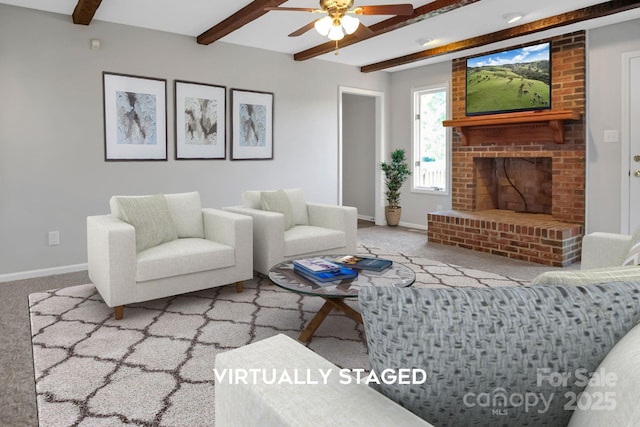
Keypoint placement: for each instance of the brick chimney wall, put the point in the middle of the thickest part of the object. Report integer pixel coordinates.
(568, 159)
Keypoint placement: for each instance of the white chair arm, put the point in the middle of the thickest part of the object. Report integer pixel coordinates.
(601, 249)
(268, 236)
(233, 230)
(343, 218)
(280, 404)
(111, 254)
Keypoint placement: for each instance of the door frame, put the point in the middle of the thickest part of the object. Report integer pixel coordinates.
(625, 140)
(380, 145)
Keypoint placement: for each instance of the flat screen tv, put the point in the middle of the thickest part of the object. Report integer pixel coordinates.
(517, 79)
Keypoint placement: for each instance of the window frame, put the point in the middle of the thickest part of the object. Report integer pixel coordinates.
(415, 144)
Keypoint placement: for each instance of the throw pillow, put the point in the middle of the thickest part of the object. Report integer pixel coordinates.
(633, 256)
(298, 205)
(633, 249)
(186, 211)
(151, 218)
(277, 201)
(613, 393)
(501, 356)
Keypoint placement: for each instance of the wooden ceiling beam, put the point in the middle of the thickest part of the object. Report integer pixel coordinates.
(84, 11)
(421, 13)
(250, 12)
(573, 17)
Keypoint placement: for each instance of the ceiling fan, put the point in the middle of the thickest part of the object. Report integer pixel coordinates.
(338, 20)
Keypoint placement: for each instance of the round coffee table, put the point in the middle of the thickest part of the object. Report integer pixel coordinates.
(334, 293)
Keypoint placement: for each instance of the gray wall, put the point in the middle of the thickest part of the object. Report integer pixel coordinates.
(604, 105)
(359, 155)
(414, 205)
(52, 168)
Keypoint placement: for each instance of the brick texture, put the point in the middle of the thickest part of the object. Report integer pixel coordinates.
(560, 193)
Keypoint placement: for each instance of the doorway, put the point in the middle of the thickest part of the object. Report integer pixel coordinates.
(630, 142)
(361, 144)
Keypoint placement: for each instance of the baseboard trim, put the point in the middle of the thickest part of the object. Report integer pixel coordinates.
(416, 226)
(32, 274)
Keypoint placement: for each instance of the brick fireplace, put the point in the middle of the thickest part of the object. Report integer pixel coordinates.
(518, 184)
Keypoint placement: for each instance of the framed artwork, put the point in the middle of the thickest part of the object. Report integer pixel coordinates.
(251, 125)
(135, 117)
(200, 121)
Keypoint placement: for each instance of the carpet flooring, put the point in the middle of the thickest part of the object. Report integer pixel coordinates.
(155, 367)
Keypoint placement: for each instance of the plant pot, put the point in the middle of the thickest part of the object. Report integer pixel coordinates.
(392, 215)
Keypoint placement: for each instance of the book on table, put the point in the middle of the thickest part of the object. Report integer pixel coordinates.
(324, 277)
(316, 265)
(363, 263)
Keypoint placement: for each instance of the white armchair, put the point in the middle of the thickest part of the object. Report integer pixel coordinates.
(604, 257)
(160, 246)
(304, 229)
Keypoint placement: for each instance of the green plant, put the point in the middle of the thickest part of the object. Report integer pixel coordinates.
(396, 173)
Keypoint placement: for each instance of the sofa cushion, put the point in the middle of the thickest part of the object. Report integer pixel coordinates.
(303, 239)
(182, 256)
(277, 201)
(186, 211)
(588, 277)
(298, 205)
(612, 397)
(487, 351)
(151, 218)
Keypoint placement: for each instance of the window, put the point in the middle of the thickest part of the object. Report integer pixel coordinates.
(430, 146)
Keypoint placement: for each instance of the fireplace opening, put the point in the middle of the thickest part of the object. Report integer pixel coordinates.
(520, 184)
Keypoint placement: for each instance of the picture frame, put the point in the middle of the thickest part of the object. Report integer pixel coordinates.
(200, 121)
(135, 117)
(251, 125)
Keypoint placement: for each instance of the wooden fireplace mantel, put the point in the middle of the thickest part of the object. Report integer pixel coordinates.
(528, 126)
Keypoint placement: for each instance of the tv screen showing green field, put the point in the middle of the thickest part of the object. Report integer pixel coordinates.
(511, 80)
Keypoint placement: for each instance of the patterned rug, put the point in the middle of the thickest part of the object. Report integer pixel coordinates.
(155, 366)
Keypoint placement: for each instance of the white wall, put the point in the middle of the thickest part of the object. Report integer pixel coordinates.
(52, 168)
(414, 205)
(604, 105)
(359, 153)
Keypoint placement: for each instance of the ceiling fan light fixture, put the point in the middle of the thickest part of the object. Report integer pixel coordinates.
(323, 25)
(335, 33)
(350, 24)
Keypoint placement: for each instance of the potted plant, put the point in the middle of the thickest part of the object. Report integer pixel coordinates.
(396, 173)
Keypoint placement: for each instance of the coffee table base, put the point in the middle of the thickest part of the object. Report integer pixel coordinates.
(330, 304)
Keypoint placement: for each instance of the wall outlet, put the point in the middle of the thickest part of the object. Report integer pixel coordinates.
(611, 136)
(439, 208)
(54, 238)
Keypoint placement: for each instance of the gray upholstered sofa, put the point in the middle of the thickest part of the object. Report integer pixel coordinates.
(516, 356)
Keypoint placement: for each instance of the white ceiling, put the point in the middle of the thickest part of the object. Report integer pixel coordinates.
(193, 17)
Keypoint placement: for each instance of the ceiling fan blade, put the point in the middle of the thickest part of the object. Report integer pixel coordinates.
(385, 9)
(295, 9)
(300, 31)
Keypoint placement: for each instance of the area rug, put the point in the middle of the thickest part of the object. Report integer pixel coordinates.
(155, 367)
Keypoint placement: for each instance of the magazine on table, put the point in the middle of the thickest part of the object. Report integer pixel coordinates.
(316, 265)
(363, 263)
(343, 273)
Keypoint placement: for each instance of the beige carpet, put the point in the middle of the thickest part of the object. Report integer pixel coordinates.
(155, 367)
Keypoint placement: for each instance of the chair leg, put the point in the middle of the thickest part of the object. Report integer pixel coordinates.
(118, 311)
(239, 286)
